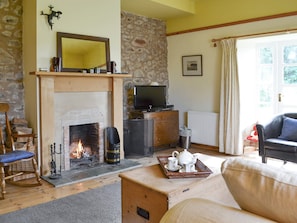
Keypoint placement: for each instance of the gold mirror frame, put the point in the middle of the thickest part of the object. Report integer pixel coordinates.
(82, 52)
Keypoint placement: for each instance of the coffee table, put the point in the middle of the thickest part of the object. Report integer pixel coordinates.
(147, 193)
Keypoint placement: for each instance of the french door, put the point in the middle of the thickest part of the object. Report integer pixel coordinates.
(276, 77)
(287, 96)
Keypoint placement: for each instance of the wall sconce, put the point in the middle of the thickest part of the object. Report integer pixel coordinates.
(51, 15)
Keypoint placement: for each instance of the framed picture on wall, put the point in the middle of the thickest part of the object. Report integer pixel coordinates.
(192, 65)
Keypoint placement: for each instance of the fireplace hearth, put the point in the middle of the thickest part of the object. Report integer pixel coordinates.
(84, 161)
(85, 172)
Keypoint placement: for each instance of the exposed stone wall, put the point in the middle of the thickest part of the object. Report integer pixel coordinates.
(144, 53)
(11, 66)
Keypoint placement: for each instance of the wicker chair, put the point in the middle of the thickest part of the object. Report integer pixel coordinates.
(9, 156)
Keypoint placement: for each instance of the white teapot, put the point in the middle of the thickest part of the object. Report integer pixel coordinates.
(184, 157)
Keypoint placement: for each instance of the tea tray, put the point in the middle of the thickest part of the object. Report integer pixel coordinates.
(202, 170)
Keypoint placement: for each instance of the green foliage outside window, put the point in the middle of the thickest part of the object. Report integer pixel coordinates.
(266, 55)
(290, 54)
(290, 58)
(290, 74)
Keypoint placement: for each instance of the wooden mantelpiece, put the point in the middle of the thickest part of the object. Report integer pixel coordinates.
(50, 83)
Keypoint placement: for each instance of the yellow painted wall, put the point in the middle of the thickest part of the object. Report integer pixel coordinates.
(213, 12)
(29, 60)
(202, 93)
(94, 18)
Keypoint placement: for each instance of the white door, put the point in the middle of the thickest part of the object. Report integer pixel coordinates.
(287, 84)
(277, 77)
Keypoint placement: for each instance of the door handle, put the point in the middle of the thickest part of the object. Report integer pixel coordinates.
(280, 97)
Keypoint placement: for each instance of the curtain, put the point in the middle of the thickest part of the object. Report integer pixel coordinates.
(230, 141)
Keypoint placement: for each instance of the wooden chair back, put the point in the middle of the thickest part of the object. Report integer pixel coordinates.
(4, 108)
(13, 157)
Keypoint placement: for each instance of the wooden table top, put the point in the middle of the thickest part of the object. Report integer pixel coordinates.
(154, 178)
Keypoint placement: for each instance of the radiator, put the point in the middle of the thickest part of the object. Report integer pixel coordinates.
(205, 127)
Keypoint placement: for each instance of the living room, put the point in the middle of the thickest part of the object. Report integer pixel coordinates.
(177, 46)
(201, 93)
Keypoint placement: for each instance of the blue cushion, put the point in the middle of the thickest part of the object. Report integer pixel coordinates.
(289, 130)
(15, 155)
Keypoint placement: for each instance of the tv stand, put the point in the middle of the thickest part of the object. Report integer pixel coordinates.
(158, 109)
(166, 127)
(154, 110)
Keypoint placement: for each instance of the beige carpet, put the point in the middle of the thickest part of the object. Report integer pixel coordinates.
(254, 156)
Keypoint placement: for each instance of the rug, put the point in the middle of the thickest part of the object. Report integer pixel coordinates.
(96, 205)
(87, 173)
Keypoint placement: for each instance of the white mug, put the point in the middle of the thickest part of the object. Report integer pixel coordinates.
(189, 167)
(172, 163)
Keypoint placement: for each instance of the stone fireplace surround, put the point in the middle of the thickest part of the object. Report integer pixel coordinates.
(74, 118)
(79, 108)
(50, 84)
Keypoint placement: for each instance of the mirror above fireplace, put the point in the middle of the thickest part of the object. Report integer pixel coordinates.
(82, 52)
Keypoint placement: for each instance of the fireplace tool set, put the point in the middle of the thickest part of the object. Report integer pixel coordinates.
(54, 153)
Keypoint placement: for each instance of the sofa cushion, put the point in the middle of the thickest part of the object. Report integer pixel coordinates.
(261, 189)
(281, 145)
(289, 129)
(201, 210)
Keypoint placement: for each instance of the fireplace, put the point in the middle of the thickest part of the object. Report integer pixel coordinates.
(84, 145)
(52, 117)
(77, 117)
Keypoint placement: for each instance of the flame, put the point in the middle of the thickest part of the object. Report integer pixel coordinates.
(79, 150)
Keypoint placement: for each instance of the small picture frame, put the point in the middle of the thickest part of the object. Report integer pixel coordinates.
(192, 65)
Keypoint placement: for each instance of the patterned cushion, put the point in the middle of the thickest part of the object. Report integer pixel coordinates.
(15, 155)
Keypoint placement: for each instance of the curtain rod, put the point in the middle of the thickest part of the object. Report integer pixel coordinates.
(256, 34)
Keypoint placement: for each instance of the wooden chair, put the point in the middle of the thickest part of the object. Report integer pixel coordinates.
(9, 156)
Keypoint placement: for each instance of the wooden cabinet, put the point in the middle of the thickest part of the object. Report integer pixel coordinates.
(166, 127)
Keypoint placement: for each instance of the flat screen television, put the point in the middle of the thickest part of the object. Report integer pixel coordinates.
(150, 97)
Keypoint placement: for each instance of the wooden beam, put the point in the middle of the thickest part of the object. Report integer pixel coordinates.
(234, 23)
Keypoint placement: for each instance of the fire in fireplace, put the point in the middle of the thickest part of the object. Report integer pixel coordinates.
(78, 151)
(84, 144)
